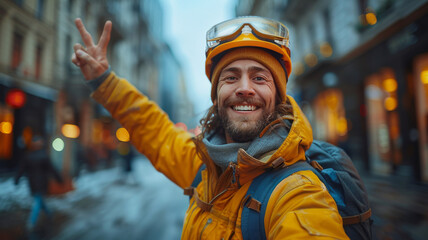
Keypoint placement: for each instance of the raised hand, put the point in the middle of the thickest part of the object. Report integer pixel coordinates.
(91, 59)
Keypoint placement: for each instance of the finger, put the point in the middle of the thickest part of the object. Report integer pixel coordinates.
(86, 36)
(105, 36)
(84, 58)
(74, 60)
(78, 46)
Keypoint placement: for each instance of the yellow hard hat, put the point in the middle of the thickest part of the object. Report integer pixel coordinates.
(248, 31)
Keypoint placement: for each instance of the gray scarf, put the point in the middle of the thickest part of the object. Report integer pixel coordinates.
(222, 153)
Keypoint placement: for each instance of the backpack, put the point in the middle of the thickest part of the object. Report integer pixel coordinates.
(334, 168)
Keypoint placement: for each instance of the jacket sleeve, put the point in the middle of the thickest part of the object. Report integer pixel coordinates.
(170, 149)
(300, 207)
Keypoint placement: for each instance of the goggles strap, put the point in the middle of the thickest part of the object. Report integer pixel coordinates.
(217, 58)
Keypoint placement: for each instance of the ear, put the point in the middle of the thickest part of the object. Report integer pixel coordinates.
(215, 102)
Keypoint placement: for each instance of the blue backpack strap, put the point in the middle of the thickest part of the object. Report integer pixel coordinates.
(198, 177)
(252, 221)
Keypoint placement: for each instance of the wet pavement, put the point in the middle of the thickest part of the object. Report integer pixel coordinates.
(400, 208)
(106, 204)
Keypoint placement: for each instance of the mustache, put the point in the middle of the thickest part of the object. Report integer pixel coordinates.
(244, 100)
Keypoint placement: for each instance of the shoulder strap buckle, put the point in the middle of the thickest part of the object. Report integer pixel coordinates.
(279, 162)
(253, 204)
(316, 165)
(188, 191)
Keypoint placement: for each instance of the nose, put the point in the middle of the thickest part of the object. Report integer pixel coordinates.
(245, 88)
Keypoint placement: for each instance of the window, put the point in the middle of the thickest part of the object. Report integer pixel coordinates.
(40, 7)
(39, 58)
(18, 40)
(19, 2)
(70, 6)
(363, 6)
(383, 121)
(87, 10)
(327, 25)
(331, 124)
(2, 14)
(312, 35)
(68, 53)
(420, 81)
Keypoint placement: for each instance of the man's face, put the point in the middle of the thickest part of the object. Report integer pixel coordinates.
(246, 96)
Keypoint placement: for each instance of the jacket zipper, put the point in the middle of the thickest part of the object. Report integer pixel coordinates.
(235, 179)
(218, 195)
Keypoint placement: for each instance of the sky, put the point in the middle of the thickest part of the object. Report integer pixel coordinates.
(185, 25)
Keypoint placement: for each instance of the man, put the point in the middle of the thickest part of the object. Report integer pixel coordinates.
(37, 166)
(251, 127)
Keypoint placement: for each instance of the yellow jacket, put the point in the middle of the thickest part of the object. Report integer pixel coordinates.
(300, 207)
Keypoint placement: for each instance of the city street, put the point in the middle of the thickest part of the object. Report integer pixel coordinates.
(108, 205)
(400, 209)
(104, 205)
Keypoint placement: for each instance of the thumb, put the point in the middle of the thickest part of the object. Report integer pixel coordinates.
(84, 58)
(88, 65)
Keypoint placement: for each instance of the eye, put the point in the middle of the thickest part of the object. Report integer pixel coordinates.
(229, 78)
(259, 78)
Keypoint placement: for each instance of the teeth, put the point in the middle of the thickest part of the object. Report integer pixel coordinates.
(244, 108)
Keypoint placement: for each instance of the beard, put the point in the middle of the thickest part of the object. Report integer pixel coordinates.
(245, 129)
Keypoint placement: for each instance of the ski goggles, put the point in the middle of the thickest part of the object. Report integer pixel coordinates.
(262, 28)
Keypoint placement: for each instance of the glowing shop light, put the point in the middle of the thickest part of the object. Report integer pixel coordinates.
(6, 127)
(58, 144)
(371, 18)
(122, 135)
(390, 85)
(424, 77)
(70, 130)
(390, 103)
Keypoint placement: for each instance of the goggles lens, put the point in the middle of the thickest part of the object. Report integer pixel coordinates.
(271, 29)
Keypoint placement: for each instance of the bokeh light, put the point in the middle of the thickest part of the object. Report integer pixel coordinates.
(311, 60)
(326, 50)
(390, 85)
(342, 126)
(371, 18)
(70, 130)
(6, 127)
(122, 135)
(58, 144)
(390, 103)
(424, 77)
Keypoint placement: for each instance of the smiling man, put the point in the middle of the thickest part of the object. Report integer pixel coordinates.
(252, 128)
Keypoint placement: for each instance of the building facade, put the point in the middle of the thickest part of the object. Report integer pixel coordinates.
(359, 72)
(27, 80)
(41, 91)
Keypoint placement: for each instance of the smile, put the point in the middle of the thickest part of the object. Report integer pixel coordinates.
(244, 108)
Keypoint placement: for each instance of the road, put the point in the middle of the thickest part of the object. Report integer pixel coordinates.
(104, 205)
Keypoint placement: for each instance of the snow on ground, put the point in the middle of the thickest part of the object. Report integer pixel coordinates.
(107, 204)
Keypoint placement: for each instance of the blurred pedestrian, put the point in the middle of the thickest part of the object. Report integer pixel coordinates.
(37, 167)
(126, 151)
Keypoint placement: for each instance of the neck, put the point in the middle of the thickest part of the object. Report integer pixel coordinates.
(228, 139)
